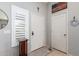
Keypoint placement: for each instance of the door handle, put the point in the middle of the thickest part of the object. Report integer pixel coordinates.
(32, 33)
(65, 34)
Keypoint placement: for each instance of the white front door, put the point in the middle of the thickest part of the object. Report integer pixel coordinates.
(59, 32)
(38, 31)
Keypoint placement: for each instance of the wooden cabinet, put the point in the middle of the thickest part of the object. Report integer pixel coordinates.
(23, 48)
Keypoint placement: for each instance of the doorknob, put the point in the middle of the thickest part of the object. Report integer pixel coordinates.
(65, 34)
(32, 33)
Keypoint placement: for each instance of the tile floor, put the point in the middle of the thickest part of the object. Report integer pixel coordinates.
(45, 52)
(40, 52)
(56, 53)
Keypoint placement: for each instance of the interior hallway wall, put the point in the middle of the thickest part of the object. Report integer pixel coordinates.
(49, 24)
(49, 31)
(73, 10)
(5, 38)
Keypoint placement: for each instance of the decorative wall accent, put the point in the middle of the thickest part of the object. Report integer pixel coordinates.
(59, 6)
(74, 22)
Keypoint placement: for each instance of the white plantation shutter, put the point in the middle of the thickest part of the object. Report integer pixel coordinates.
(20, 24)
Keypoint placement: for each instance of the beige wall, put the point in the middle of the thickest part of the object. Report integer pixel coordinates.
(73, 10)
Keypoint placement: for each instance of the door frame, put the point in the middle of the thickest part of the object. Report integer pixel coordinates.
(63, 11)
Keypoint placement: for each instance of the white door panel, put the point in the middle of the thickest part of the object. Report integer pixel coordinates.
(38, 27)
(59, 29)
